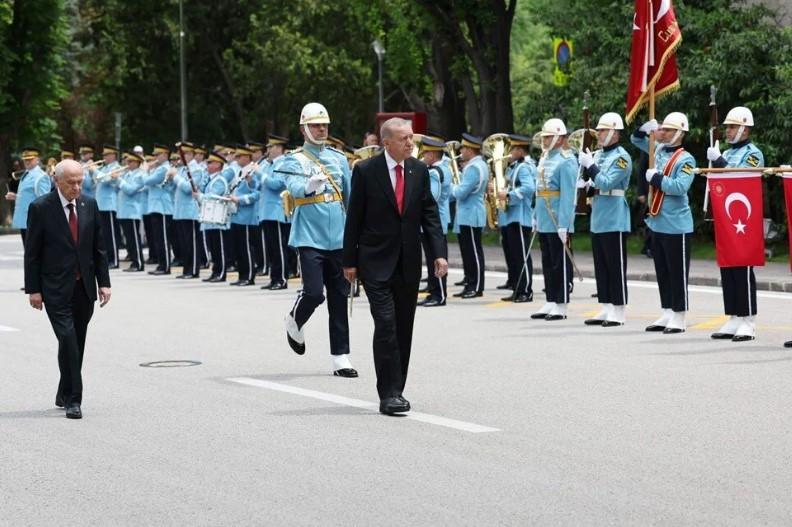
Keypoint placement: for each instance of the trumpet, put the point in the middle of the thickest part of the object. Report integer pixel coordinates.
(451, 149)
(16, 175)
(114, 173)
(92, 165)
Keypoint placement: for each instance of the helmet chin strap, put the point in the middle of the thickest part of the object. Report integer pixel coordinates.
(608, 138)
(311, 137)
(738, 135)
(552, 143)
(673, 139)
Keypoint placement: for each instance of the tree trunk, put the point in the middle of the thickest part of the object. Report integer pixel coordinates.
(5, 171)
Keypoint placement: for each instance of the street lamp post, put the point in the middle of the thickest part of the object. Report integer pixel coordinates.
(182, 73)
(379, 49)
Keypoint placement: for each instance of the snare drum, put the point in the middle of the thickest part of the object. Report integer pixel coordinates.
(214, 212)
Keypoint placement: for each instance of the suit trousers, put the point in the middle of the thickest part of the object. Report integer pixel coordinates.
(739, 291)
(392, 304)
(436, 287)
(109, 230)
(556, 268)
(243, 246)
(70, 324)
(277, 238)
(160, 225)
(671, 253)
(520, 268)
(322, 270)
(131, 230)
(189, 239)
(609, 250)
(472, 257)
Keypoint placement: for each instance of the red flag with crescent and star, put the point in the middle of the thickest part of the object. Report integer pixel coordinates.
(737, 211)
(655, 38)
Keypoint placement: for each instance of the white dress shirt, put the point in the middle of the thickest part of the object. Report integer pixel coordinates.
(392, 169)
(65, 205)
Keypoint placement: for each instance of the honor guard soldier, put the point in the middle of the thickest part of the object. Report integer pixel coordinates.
(230, 172)
(259, 256)
(185, 214)
(244, 221)
(201, 180)
(173, 233)
(66, 154)
(670, 218)
(160, 206)
(440, 185)
(106, 179)
(130, 211)
(33, 183)
(318, 180)
(608, 173)
(273, 219)
(517, 219)
(86, 153)
(739, 283)
(554, 217)
(471, 215)
(215, 190)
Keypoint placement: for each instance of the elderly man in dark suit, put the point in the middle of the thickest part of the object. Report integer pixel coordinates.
(390, 201)
(65, 259)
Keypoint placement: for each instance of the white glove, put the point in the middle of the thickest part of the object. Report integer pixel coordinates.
(534, 225)
(650, 173)
(315, 183)
(562, 234)
(584, 184)
(649, 126)
(713, 153)
(585, 158)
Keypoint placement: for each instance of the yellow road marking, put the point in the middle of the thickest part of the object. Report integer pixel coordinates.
(712, 323)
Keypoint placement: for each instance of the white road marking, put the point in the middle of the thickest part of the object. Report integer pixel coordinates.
(7, 329)
(357, 403)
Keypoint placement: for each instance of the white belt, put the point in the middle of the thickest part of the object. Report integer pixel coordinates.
(614, 192)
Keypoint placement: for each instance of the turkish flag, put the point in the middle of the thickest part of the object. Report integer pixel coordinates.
(655, 38)
(788, 200)
(737, 210)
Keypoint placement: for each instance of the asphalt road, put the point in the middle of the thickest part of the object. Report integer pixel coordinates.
(515, 422)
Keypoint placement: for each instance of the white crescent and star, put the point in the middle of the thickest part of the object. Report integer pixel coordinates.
(665, 7)
(742, 198)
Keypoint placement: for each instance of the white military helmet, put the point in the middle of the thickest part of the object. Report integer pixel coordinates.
(739, 115)
(554, 127)
(610, 121)
(314, 113)
(675, 121)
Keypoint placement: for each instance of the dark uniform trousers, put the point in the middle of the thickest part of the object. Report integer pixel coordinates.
(472, 257)
(243, 247)
(259, 258)
(322, 270)
(109, 229)
(436, 287)
(277, 239)
(151, 240)
(610, 267)
(671, 253)
(739, 291)
(134, 245)
(504, 239)
(159, 224)
(556, 268)
(70, 323)
(174, 237)
(520, 268)
(218, 240)
(190, 240)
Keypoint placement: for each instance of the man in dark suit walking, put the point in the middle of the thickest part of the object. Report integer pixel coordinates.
(390, 201)
(65, 258)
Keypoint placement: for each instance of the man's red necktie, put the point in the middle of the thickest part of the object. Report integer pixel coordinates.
(399, 189)
(72, 222)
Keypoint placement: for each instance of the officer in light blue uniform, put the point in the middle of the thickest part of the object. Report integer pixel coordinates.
(275, 224)
(216, 185)
(244, 222)
(739, 283)
(86, 153)
(33, 183)
(670, 218)
(471, 216)
(185, 213)
(516, 220)
(198, 169)
(130, 210)
(259, 256)
(106, 179)
(318, 179)
(554, 217)
(439, 179)
(607, 176)
(159, 182)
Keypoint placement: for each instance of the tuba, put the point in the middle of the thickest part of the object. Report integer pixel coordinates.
(577, 139)
(497, 149)
(417, 140)
(451, 149)
(365, 153)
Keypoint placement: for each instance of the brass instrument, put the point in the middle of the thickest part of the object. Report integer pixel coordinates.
(576, 139)
(111, 174)
(16, 175)
(51, 162)
(365, 153)
(93, 165)
(497, 148)
(417, 140)
(536, 141)
(451, 149)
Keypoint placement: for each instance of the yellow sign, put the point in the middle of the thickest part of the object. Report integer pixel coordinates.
(562, 56)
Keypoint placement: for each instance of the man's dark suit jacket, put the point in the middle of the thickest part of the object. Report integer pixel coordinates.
(376, 234)
(51, 257)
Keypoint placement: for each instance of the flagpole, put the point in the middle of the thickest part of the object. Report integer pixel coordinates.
(651, 142)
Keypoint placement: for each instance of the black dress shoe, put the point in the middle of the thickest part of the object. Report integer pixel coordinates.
(405, 401)
(537, 316)
(461, 282)
(505, 286)
(243, 283)
(232, 269)
(277, 286)
(742, 338)
(472, 294)
(594, 322)
(434, 302)
(521, 299)
(550, 318)
(133, 269)
(655, 327)
(507, 299)
(237, 282)
(422, 301)
(722, 336)
(671, 331)
(59, 402)
(788, 344)
(611, 323)
(296, 347)
(158, 272)
(73, 411)
(346, 372)
(393, 405)
(216, 279)
(210, 278)
(464, 291)
(182, 276)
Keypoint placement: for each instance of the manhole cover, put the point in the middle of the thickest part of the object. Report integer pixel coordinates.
(170, 364)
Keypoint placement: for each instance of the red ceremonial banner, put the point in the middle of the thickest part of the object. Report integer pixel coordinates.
(788, 200)
(656, 36)
(739, 227)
